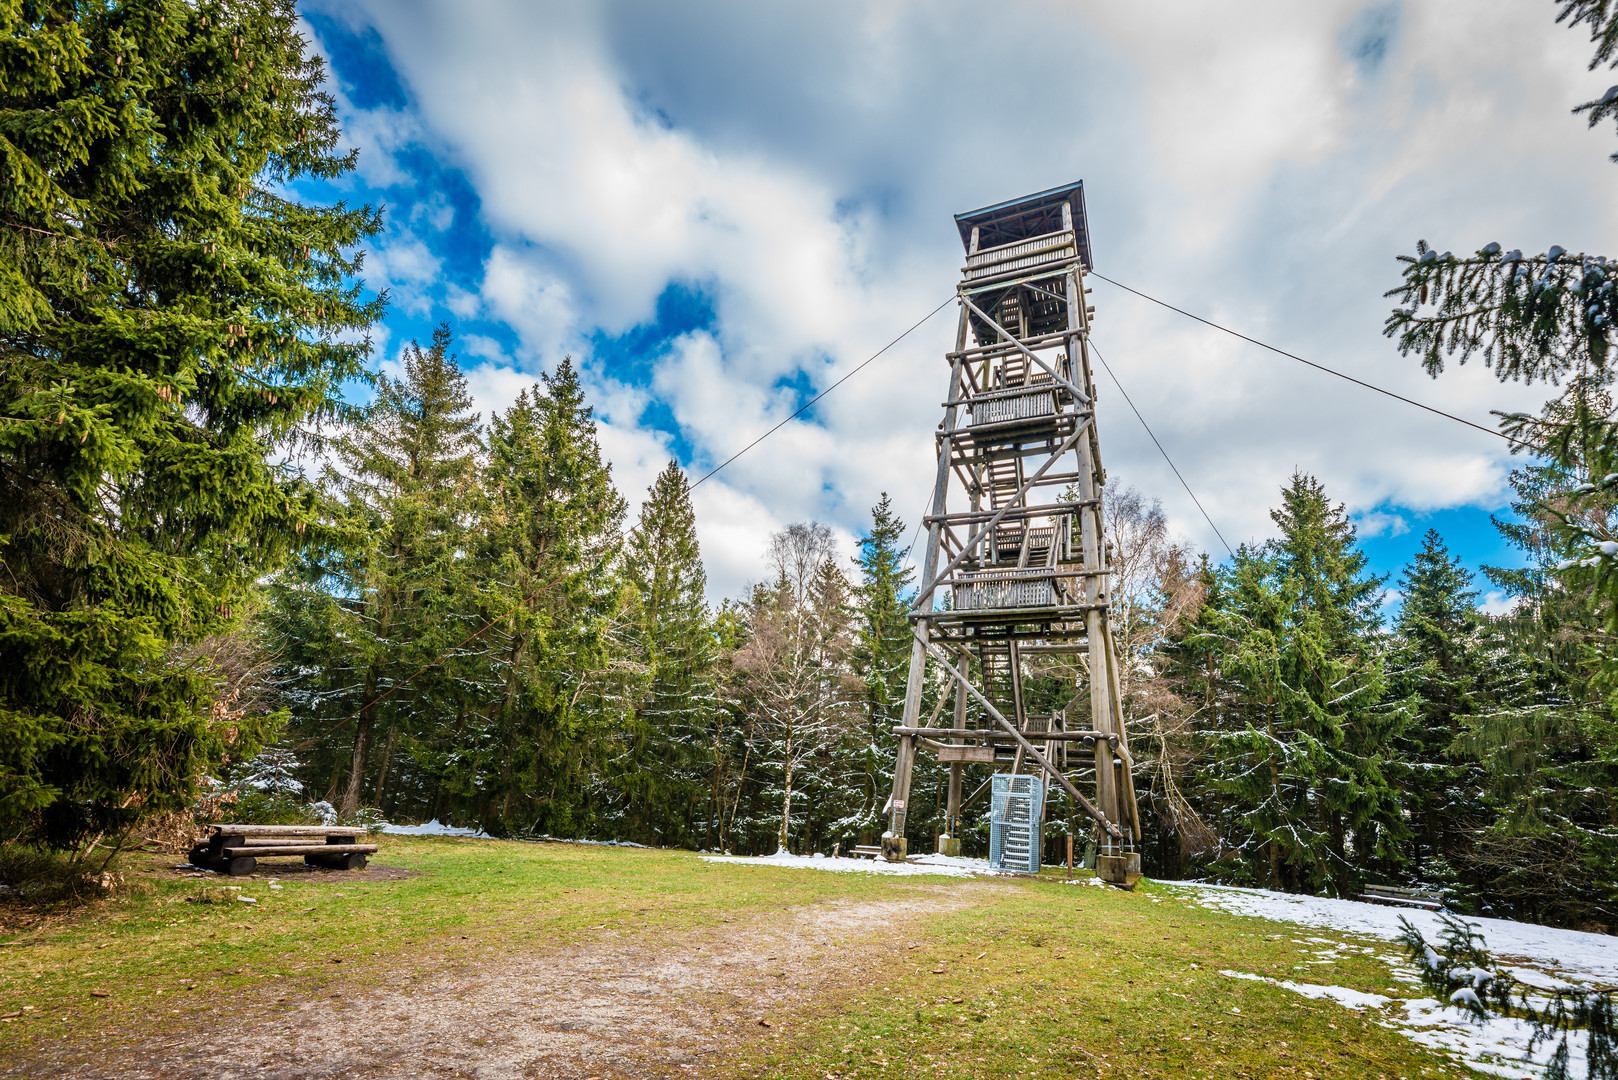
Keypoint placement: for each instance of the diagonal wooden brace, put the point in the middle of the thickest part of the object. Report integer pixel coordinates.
(971, 545)
(1027, 747)
(1064, 383)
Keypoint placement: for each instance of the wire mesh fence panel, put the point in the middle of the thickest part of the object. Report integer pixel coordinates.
(1016, 831)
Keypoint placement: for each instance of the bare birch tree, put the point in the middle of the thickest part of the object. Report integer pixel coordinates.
(795, 668)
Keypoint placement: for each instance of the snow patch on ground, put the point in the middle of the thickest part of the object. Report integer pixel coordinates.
(1542, 956)
(1354, 999)
(940, 865)
(432, 828)
(1498, 1046)
(1569, 955)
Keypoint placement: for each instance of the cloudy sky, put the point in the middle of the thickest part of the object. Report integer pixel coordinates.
(719, 208)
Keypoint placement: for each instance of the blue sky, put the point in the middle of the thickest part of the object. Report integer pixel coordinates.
(718, 209)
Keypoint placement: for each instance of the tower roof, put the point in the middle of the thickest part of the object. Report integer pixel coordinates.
(1029, 216)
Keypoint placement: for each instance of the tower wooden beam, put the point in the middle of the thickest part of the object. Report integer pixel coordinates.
(1023, 575)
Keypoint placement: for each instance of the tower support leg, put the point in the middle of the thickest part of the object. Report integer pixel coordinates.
(950, 842)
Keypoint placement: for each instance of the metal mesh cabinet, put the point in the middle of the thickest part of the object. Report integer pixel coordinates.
(1016, 828)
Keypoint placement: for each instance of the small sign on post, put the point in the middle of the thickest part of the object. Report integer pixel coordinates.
(982, 755)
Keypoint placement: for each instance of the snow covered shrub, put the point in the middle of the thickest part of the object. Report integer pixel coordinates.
(368, 816)
(1460, 972)
(264, 791)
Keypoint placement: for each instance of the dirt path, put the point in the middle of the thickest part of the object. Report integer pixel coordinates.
(628, 1005)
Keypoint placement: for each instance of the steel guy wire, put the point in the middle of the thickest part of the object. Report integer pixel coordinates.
(1301, 360)
(806, 405)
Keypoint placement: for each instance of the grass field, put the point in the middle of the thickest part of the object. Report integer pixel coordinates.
(865, 976)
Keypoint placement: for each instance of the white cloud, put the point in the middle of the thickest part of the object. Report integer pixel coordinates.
(406, 267)
(494, 388)
(482, 345)
(537, 305)
(1498, 603)
(1247, 162)
(1377, 523)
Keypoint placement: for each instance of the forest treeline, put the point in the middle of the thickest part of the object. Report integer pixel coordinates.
(486, 639)
(559, 672)
(225, 581)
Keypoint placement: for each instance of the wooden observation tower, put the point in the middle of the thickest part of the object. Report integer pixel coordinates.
(1015, 572)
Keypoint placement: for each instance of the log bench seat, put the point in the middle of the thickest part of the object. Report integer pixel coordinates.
(236, 849)
(1397, 897)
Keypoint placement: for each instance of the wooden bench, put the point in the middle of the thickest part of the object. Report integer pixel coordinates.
(1397, 897)
(236, 849)
(867, 851)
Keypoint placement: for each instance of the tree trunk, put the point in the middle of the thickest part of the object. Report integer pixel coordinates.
(786, 809)
(356, 767)
(362, 739)
(741, 778)
(716, 794)
(1337, 836)
(387, 761)
(1275, 793)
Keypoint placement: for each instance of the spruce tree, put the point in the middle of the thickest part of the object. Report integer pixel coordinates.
(173, 319)
(550, 557)
(881, 659)
(1303, 750)
(1317, 550)
(1268, 760)
(400, 592)
(411, 478)
(672, 763)
(1436, 665)
(1546, 740)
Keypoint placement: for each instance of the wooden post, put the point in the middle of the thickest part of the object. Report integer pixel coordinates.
(950, 844)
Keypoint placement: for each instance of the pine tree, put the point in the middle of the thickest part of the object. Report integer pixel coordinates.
(677, 708)
(173, 320)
